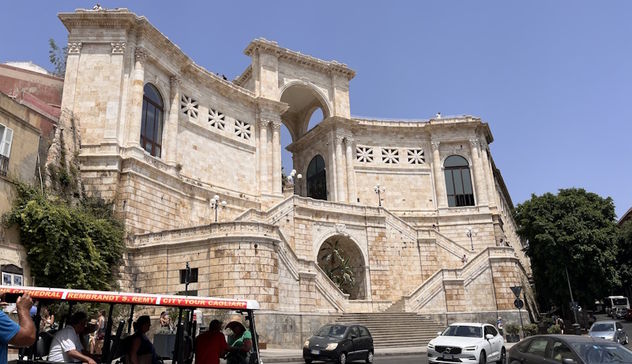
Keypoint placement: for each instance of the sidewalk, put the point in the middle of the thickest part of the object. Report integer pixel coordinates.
(293, 355)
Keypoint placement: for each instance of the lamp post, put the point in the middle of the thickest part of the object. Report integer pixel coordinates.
(299, 181)
(468, 232)
(215, 204)
(187, 279)
(379, 190)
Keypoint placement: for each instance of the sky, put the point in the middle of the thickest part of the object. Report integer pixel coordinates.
(552, 78)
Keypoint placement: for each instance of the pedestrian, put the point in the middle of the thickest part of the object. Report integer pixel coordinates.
(165, 321)
(210, 345)
(499, 325)
(464, 259)
(141, 349)
(48, 320)
(22, 334)
(560, 322)
(66, 346)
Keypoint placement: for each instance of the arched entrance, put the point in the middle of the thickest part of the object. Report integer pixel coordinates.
(303, 100)
(317, 179)
(342, 260)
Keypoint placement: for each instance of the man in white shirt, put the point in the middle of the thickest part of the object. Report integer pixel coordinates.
(66, 346)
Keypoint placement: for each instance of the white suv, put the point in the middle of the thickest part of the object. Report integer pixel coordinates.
(467, 343)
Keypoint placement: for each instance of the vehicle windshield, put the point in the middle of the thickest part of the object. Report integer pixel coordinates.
(463, 331)
(602, 327)
(603, 353)
(619, 301)
(337, 331)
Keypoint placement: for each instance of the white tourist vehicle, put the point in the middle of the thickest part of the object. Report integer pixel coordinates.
(467, 343)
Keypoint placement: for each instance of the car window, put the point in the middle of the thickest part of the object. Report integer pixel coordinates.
(560, 351)
(603, 352)
(364, 331)
(332, 331)
(523, 345)
(490, 330)
(538, 347)
(354, 332)
(463, 331)
(602, 327)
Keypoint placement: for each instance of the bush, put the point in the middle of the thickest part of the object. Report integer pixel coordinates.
(530, 329)
(512, 329)
(555, 329)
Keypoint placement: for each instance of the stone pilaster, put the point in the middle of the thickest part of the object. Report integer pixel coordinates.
(479, 180)
(170, 147)
(489, 176)
(439, 178)
(276, 157)
(331, 170)
(264, 171)
(339, 169)
(70, 78)
(351, 186)
(138, 83)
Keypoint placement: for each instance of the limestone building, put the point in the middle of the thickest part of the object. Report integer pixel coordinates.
(162, 136)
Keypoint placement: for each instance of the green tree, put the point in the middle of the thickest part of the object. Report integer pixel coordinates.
(57, 57)
(336, 264)
(68, 245)
(624, 258)
(574, 230)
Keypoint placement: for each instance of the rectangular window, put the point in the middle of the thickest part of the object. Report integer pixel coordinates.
(6, 137)
(192, 279)
(10, 279)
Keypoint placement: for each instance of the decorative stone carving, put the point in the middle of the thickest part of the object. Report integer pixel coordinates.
(415, 156)
(74, 47)
(118, 47)
(390, 155)
(364, 154)
(189, 106)
(174, 82)
(276, 126)
(243, 129)
(435, 144)
(341, 229)
(216, 119)
(263, 123)
(474, 142)
(140, 54)
(348, 140)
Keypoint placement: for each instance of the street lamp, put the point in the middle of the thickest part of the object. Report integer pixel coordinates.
(468, 232)
(379, 190)
(215, 204)
(295, 179)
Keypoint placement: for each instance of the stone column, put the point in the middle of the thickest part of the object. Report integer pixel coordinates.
(136, 112)
(170, 147)
(331, 170)
(439, 178)
(351, 186)
(489, 176)
(340, 180)
(263, 156)
(276, 158)
(479, 180)
(113, 108)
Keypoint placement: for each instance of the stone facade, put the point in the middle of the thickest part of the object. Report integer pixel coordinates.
(221, 138)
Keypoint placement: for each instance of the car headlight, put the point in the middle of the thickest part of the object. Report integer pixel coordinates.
(331, 346)
(470, 348)
(306, 345)
(430, 346)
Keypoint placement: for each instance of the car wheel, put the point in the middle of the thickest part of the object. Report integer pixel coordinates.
(482, 358)
(503, 356)
(342, 359)
(369, 357)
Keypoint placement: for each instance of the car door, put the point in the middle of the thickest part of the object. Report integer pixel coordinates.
(491, 347)
(560, 351)
(497, 342)
(355, 353)
(536, 352)
(366, 341)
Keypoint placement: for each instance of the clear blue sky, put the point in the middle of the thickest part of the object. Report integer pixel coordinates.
(552, 78)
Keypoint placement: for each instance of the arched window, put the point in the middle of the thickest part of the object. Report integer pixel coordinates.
(458, 182)
(152, 121)
(316, 179)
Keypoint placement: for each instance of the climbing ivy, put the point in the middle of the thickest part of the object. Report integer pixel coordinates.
(70, 245)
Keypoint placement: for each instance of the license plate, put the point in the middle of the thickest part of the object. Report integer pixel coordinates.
(448, 357)
(315, 352)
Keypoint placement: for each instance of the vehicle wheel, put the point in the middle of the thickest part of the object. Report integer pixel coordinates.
(369, 357)
(503, 356)
(482, 359)
(342, 359)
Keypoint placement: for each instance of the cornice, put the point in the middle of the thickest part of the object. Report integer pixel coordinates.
(241, 79)
(264, 45)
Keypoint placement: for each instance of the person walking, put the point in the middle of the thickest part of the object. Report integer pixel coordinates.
(22, 334)
(211, 344)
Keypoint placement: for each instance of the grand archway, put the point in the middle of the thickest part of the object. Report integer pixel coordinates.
(343, 262)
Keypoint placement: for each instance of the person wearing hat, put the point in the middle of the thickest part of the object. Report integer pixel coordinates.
(210, 345)
(66, 346)
(239, 343)
(141, 349)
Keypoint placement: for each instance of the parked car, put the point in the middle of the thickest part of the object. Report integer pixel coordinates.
(340, 343)
(568, 349)
(467, 343)
(609, 330)
(619, 313)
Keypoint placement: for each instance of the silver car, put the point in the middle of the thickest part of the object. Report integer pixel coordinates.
(609, 330)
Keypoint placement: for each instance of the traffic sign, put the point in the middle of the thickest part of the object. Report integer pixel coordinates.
(519, 303)
(516, 290)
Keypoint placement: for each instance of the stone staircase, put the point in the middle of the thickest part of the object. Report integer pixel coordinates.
(396, 329)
